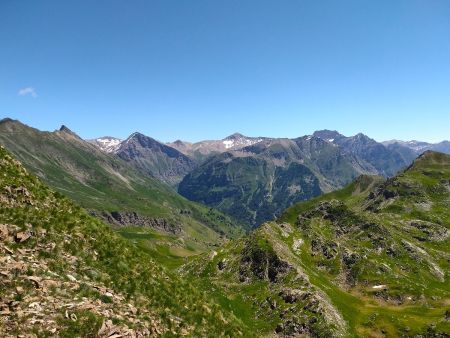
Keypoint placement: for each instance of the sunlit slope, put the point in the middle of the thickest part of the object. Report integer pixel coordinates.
(64, 273)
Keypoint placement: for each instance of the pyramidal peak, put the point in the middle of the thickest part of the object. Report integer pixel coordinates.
(235, 136)
(135, 134)
(64, 129)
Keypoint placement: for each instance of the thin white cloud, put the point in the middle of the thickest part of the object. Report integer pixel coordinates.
(28, 91)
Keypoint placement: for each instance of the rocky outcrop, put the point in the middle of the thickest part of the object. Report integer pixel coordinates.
(37, 297)
(127, 218)
(13, 195)
(262, 263)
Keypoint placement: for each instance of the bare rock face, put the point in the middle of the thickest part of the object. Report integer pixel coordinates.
(262, 263)
(125, 218)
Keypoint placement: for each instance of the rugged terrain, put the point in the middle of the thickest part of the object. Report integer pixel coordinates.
(254, 179)
(258, 182)
(418, 147)
(155, 158)
(64, 273)
(140, 206)
(370, 260)
(201, 151)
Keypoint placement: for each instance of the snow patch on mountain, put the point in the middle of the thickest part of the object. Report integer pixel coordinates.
(240, 142)
(417, 146)
(107, 144)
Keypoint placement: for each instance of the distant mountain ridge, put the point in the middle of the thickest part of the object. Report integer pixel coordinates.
(377, 157)
(155, 158)
(255, 183)
(419, 147)
(238, 141)
(254, 178)
(202, 150)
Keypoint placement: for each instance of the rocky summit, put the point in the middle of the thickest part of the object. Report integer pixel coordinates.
(155, 158)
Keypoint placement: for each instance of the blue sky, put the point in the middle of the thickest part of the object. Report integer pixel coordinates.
(199, 69)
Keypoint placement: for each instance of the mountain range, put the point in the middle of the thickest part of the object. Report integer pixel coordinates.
(369, 260)
(257, 182)
(419, 147)
(253, 179)
(318, 236)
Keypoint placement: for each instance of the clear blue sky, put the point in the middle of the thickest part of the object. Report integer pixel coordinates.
(203, 69)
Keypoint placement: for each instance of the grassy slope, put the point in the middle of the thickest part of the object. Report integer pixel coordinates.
(416, 295)
(393, 233)
(102, 182)
(65, 240)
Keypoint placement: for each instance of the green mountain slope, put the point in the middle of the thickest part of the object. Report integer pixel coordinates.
(116, 192)
(64, 273)
(257, 183)
(370, 260)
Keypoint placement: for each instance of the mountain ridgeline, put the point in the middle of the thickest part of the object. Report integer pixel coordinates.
(256, 183)
(155, 158)
(251, 179)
